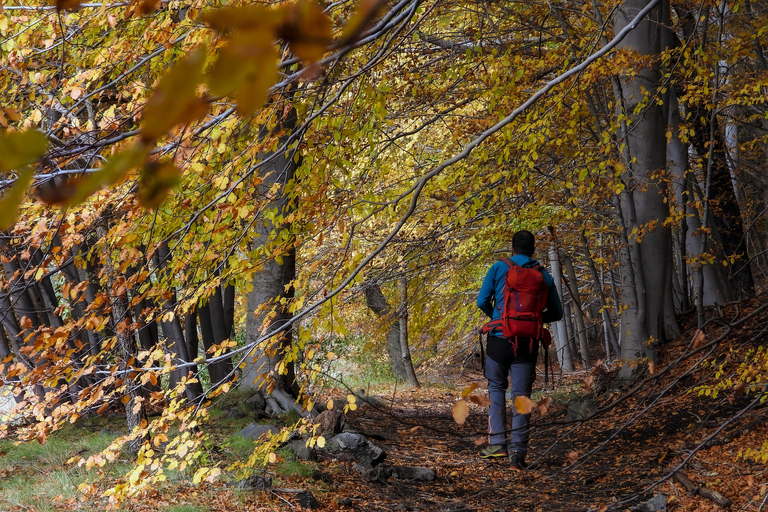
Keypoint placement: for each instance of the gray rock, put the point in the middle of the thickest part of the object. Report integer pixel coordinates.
(256, 430)
(255, 482)
(580, 408)
(331, 421)
(378, 474)
(308, 500)
(302, 451)
(349, 446)
(233, 414)
(414, 473)
(656, 504)
(346, 501)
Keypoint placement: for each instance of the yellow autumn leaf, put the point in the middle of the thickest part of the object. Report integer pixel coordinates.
(9, 204)
(20, 148)
(174, 99)
(523, 404)
(320, 442)
(156, 181)
(469, 389)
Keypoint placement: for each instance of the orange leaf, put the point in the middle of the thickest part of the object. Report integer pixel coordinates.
(460, 412)
(699, 339)
(479, 441)
(652, 367)
(245, 68)
(523, 404)
(481, 400)
(366, 12)
(588, 381)
(66, 4)
(543, 405)
(307, 29)
(602, 508)
(573, 456)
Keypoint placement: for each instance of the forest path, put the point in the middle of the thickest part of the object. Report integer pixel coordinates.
(616, 459)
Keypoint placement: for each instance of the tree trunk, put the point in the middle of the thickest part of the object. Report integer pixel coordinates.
(268, 369)
(174, 334)
(377, 302)
(135, 407)
(578, 314)
(405, 350)
(564, 356)
(643, 206)
(610, 333)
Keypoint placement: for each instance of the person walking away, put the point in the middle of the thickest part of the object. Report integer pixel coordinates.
(518, 295)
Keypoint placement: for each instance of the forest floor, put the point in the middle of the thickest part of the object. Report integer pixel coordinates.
(595, 446)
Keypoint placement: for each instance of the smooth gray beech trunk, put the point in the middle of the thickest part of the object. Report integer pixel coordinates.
(266, 368)
(647, 265)
(405, 350)
(377, 302)
(564, 356)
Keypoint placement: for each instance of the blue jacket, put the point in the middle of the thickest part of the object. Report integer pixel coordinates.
(491, 297)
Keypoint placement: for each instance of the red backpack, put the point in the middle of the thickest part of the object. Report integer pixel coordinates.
(525, 297)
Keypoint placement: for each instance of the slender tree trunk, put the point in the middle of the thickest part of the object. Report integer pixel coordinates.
(378, 303)
(135, 407)
(174, 335)
(610, 333)
(564, 355)
(405, 350)
(578, 314)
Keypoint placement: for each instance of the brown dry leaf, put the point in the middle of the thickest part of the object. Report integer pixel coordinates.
(588, 381)
(699, 339)
(460, 412)
(479, 441)
(602, 508)
(481, 400)
(523, 404)
(598, 364)
(652, 367)
(543, 405)
(739, 388)
(469, 389)
(573, 456)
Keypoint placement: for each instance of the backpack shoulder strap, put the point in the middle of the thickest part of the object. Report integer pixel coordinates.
(509, 262)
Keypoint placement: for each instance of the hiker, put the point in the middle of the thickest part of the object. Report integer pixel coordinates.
(514, 355)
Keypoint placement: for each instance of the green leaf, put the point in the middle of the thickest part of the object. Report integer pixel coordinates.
(20, 148)
(9, 204)
(175, 98)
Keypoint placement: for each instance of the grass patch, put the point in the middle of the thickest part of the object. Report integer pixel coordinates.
(187, 508)
(38, 476)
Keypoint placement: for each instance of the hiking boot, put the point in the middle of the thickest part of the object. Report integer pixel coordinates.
(494, 451)
(517, 461)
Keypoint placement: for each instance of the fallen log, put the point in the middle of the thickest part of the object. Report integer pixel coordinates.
(694, 490)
